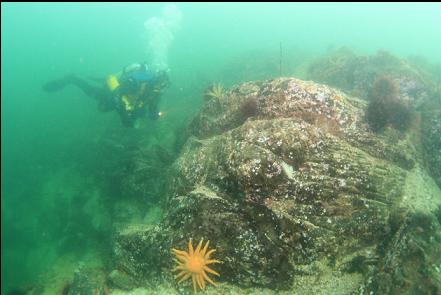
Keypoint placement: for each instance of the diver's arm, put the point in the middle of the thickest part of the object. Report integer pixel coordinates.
(153, 111)
(127, 118)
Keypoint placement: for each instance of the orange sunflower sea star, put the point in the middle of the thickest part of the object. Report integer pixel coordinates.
(194, 264)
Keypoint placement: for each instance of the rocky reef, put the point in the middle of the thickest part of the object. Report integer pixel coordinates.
(355, 74)
(431, 136)
(295, 191)
(417, 86)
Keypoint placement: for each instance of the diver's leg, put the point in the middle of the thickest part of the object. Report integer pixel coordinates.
(99, 93)
(58, 84)
(102, 96)
(88, 89)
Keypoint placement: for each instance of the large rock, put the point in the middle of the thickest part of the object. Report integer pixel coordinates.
(418, 84)
(432, 140)
(87, 282)
(411, 262)
(289, 185)
(355, 74)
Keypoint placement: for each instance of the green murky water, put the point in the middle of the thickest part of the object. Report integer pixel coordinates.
(63, 161)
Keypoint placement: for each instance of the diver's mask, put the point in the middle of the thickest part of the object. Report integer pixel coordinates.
(135, 67)
(131, 77)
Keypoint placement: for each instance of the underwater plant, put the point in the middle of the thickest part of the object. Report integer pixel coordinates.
(386, 107)
(194, 264)
(214, 91)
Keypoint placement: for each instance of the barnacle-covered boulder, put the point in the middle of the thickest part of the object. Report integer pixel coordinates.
(295, 192)
(431, 136)
(356, 74)
(418, 86)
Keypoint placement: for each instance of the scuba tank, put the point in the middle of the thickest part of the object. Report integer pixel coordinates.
(112, 82)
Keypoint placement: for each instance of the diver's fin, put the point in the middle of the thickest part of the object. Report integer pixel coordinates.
(56, 85)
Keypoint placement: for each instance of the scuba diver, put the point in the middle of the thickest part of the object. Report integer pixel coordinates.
(133, 93)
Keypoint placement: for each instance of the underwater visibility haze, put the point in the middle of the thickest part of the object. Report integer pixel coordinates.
(220, 148)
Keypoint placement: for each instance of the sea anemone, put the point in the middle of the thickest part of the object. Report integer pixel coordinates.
(247, 109)
(385, 88)
(386, 107)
